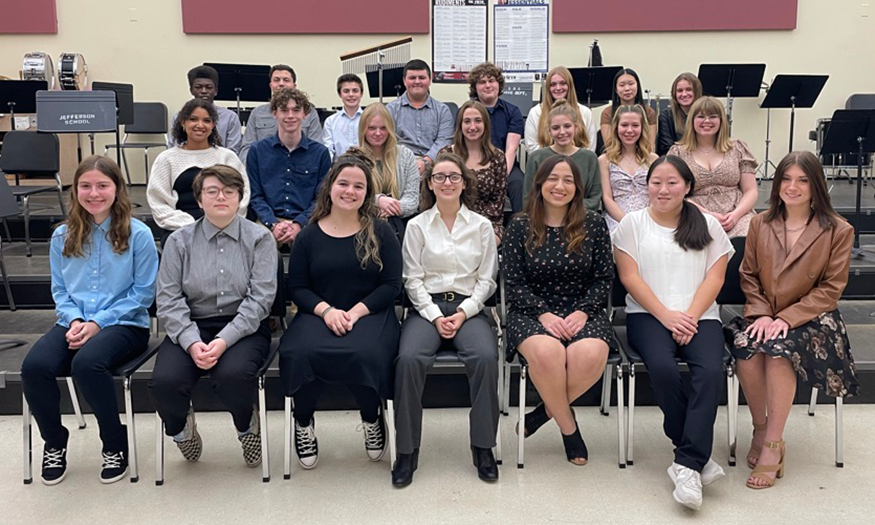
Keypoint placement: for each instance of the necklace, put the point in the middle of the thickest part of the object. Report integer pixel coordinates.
(794, 230)
(706, 152)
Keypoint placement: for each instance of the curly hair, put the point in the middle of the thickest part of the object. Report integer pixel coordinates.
(79, 221)
(178, 131)
(367, 244)
(282, 97)
(484, 70)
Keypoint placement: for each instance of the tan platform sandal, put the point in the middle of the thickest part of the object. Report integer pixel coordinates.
(778, 469)
(753, 452)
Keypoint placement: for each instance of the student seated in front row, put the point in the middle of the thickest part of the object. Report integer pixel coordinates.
(286, 168)
(344, 276)
(262, 124)
(342, 128)
(215, 288)
(203, 82)
(672, 259)
(169, 192)
(103, 265)
(424, 125)
(450, 264)
(557, 262)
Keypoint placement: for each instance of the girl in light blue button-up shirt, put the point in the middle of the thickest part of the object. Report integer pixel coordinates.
(104, 264)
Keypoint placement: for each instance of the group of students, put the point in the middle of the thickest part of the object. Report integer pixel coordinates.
(666, 231)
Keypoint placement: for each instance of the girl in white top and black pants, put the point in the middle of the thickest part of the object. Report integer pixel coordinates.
(672, 260)
(450, 264)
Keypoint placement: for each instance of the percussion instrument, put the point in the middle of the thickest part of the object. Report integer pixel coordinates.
(38, 66)
(72, 72)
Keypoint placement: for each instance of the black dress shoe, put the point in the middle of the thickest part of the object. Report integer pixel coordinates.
(487, 468)
(405, 465)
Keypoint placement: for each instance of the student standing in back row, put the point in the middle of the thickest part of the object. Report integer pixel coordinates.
(423, 124)
(203, 82)
(342, 128)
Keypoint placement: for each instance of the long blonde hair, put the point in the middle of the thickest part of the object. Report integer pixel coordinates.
(614, 148)
(487, 150)
(581, 140)
(707, 106)
(367, 244)
(385, 164)
(79, 221)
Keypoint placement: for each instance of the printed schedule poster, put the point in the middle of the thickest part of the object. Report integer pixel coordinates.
(522, 33)
(458, 38)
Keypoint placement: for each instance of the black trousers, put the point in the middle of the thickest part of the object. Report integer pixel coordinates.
(689, 412)
(515, 180)
(90, 366)
(308, 396)
(234, 377)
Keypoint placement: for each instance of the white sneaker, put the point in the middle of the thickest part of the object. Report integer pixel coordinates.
(688, 486)
(712, 472)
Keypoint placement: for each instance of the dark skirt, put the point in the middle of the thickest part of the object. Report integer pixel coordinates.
(520, 327)
(365, 356)
(819, 351)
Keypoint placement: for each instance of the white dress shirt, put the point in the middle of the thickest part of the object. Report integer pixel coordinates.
(341, 132)
(464, 261)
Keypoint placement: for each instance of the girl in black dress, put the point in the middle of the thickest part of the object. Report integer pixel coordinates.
(559, 269)
(344, 276)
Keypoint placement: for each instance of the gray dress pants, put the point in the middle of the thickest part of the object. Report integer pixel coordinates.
(477, 349)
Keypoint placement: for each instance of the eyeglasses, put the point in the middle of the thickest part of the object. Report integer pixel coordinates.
(440, 178)
(703, 118)
(228, 191)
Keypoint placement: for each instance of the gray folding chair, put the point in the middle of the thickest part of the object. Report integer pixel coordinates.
(32, 154)
(8, 208)
(150, 118)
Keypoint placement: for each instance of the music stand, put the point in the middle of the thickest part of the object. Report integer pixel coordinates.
(852, 130)
(20, 95)
(392, 81)
(242, 82)
(124, 110)
(793, 91)
(594, 83)
(731, 81)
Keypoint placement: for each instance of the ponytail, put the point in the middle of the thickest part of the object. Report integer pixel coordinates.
(692, 231)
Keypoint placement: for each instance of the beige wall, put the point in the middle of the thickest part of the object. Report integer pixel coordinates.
(832, 37)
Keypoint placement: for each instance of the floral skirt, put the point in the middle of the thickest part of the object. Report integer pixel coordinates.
(819, 351)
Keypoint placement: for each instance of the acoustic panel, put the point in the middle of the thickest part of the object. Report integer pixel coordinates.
(28, 17)
(598, 16)
(305, 16)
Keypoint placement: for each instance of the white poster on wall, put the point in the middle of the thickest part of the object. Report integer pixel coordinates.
(458, 35)
(522, 33)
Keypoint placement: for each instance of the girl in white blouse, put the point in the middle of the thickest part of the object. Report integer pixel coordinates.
(672, 260)
(450, 264)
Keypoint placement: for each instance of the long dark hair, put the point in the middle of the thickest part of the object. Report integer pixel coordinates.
(821, 207)
(79, 221)
(615, 98)
(575, 216)
(367, 244)
(692, 231)
(178, 131)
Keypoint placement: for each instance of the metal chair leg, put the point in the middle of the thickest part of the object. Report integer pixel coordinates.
(75, 398)
(605, 407)
(25, 204)
(813, 403)
(27, 441)
(630, 433)
(840, 438)
(521, 434)
(621, 419)
(132, 431)
(390, 429)
(508, 372)
(61, 194)
(159, 450)
(731, 432)
(262, 413)
(287, 442)
(5, 276)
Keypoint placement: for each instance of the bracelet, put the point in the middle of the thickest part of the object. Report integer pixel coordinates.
(325, 311)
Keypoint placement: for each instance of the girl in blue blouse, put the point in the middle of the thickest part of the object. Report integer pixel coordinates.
(104, 264)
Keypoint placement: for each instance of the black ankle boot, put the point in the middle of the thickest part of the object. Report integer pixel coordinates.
(575, 447)
(487, 468)
(405, 465)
